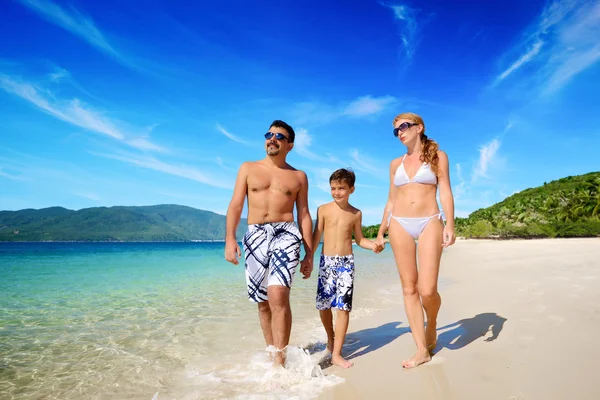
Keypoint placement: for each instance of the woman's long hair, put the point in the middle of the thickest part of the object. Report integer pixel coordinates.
(429, 155)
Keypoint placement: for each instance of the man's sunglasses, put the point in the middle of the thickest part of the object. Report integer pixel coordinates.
(278, 136)
(403, 127)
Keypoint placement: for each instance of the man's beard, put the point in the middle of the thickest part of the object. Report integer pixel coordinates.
(272, 150)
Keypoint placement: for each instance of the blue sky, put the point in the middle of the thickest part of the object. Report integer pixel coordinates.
(139, 103)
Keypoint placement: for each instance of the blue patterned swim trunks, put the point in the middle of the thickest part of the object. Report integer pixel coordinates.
(336, 282)
(272, 252)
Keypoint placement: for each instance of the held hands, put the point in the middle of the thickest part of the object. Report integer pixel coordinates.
(379, 245)
(449, 236)
(232, 251)
(306, 266)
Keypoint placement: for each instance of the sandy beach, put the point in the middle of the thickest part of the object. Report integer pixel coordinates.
(519, 320)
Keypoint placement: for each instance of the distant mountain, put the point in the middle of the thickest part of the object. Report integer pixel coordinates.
(145, 223)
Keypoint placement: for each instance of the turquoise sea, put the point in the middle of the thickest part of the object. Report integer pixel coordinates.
(156, 320)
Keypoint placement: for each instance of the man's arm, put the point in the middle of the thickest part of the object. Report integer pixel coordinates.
(304, 219)
(234, 212)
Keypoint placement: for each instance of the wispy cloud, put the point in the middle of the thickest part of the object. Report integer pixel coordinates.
(78, 24)
(563, 42)
(323, 113)
(368, 105)
(10, 176)
(230, 135)
(75, 112)
(406, 19)
(182, 171)
(88, 195)
(487, 155)
(366, 164)
(535, 49)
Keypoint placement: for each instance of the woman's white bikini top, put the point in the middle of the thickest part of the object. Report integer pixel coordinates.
(424, 175)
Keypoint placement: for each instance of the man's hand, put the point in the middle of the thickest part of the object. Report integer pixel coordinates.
(232, 251)
(306, 267)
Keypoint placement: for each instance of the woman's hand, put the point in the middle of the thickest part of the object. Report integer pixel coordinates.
(449, 237)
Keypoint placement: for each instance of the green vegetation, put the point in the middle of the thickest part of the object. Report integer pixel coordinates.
(149, 223)
(568, 207)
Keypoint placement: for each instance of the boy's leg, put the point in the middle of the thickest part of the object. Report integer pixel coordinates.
(341, 327)
(327, 320)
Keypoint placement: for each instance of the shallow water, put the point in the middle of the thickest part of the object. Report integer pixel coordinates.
(163, 320)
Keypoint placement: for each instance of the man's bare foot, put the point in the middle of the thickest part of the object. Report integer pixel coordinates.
(341, 361)
(431, 335)
(418, 359)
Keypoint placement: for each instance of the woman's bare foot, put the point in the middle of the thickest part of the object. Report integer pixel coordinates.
(341, 361)
(420, 358)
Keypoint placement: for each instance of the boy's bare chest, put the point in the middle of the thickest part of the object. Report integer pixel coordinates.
(339, 222)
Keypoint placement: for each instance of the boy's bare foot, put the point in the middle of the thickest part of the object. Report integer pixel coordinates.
(341, 362)
(420, 358)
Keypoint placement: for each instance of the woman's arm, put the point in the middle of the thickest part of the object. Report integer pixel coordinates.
(390, 203)
(446, 198)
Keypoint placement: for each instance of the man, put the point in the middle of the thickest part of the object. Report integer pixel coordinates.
(272, 242)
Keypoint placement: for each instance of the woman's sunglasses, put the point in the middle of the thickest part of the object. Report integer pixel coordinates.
(278, 136)
(403, 127)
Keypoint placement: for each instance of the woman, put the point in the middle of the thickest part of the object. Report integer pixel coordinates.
(411, 214)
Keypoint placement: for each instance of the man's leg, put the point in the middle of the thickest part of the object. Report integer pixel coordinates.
(281, 319)
(264, 315)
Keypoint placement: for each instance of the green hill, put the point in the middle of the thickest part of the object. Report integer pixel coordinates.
(567, 207)
(146, 223)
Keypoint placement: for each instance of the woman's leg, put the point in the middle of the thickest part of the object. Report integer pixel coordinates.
(403, 246)
(430, 252)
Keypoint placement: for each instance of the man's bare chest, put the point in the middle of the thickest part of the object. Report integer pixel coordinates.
(281, 183)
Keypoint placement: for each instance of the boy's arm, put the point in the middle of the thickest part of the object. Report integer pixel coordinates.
(358, 235)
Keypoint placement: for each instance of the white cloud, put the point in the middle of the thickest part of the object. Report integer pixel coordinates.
(368, 105)
(366, 164)
(563, 42)
(74, 112)
(230, 135)
(182, 171)
(322, 113)
(406, 18)
(10, 176)
(88, 195)
(535, 49)
(78, 24)
(487, 155)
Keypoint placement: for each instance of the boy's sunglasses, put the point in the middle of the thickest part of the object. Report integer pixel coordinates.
(278, 136)
(403, 127)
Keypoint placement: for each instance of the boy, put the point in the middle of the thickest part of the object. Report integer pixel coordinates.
(337, 221)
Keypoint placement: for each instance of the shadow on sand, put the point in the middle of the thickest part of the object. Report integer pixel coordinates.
(364, 341)
(468, 330)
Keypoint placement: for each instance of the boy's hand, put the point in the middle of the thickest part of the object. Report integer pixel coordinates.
(379, 245)
(306, 267)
